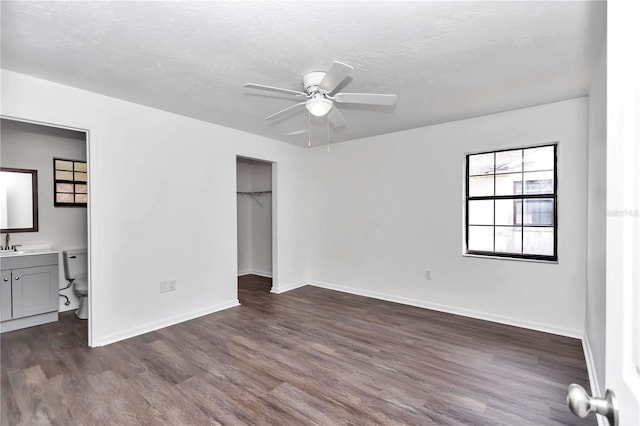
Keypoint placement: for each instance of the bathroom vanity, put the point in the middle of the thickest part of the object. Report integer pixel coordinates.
(29, 289)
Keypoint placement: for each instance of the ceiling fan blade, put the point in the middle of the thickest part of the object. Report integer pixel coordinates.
(279, 113)
(273, 89)
(336, 118)
(366, 98)
(337, 72)
(296, 132)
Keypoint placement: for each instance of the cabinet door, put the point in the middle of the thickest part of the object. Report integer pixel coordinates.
(5, 296)
(34, 291)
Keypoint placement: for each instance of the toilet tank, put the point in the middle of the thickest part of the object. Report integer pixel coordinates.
(75, 263)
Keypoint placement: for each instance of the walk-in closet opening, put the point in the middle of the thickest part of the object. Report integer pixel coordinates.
(254, 182)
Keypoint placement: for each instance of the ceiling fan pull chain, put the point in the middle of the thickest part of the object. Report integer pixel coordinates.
(327, 121)
(309, 127)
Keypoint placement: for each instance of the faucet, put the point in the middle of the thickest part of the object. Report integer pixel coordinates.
(6, 242)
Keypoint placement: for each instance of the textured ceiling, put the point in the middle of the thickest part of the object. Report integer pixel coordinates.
(445, 60)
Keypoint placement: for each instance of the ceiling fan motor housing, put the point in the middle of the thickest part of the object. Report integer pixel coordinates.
(312, 80)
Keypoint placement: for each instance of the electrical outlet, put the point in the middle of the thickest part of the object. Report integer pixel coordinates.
(163, 287)
(427, 275)
(172, 285)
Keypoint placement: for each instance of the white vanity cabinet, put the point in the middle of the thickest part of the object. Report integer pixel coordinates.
(29, 293)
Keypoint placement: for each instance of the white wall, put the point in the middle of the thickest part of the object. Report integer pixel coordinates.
(369, 216)
(254, 220)
(385, 209)
(163, 206)
(596, 222)
(243, 175)
(30, 146)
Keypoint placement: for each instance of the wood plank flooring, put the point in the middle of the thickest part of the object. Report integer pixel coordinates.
(309, 356)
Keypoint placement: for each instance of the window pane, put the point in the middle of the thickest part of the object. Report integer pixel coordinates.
(481, 212)
(505, 180)
(539, 158)
(509, 239)
(517, 213)
(64, 187)
(538, 212)
(509, 161)
(70, 178)
(64, 165)
(64, 175)
(480, 238)
(480, 186)
(538, 182)
(508, 184)
(508, 212)
(64, 198)
(481, 164)
(538, 241)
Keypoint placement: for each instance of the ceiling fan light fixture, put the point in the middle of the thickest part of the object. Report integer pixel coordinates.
(319, 106)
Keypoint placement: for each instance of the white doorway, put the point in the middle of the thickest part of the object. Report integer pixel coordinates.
(255, 217)
(63, 214)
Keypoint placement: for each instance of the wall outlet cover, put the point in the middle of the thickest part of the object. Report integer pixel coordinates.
(163, 287)
(172, 285)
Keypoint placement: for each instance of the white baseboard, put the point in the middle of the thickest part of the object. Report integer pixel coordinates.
(71, 307)
(591, 367)
(156, 325)
(288, 287)
(258, 273)
(593, 374)
(262, 274)
(547, 328)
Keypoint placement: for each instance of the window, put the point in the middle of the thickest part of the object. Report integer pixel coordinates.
(70, 183)
(537, 212)
(511, 203)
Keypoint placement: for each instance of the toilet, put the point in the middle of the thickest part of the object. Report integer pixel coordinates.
(75, 271)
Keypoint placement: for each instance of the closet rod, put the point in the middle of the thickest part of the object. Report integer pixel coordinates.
(254, 192)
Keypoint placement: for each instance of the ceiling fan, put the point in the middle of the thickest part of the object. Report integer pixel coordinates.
(318, 88)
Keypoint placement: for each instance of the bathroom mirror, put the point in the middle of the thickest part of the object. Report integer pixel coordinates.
(18, 200)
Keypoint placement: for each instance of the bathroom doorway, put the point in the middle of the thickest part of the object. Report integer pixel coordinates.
(255, 218)
(59, 155)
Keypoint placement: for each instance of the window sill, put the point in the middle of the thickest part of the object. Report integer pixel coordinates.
(518, 259)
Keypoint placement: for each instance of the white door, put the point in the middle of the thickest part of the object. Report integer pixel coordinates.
(623, 209)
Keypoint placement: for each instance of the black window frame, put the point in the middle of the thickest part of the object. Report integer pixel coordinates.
(523, 196)
(73, 182)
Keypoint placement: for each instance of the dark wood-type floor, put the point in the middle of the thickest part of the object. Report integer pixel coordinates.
(309, 356)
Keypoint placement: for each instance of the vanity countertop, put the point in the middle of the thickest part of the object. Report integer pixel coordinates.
(30, 252)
